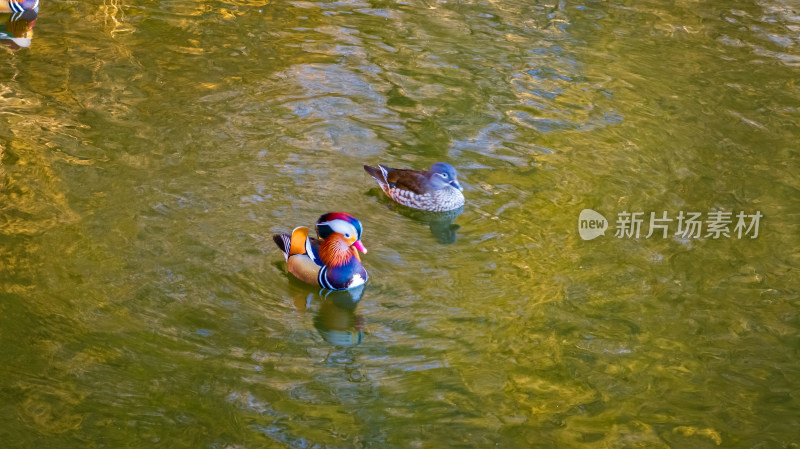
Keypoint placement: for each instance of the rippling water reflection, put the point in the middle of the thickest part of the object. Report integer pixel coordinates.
(149, 151)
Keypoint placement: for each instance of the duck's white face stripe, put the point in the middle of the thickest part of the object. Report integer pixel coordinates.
(342, 227)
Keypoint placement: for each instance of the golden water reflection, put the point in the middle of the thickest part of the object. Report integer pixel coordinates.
(148, 152)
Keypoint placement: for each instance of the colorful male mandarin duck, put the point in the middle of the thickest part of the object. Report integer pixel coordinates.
(436, 190)
(18, 5)
(330, 261)
(17, 18)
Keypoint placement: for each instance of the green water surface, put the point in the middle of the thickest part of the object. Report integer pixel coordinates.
(149, 150)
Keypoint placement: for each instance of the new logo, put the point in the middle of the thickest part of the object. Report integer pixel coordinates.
(591, 224)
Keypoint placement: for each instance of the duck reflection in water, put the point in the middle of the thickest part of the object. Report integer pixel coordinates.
(16, 22)
(441, 224)
(336, 320)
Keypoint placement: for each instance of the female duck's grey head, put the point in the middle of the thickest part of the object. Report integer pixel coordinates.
(444, 174)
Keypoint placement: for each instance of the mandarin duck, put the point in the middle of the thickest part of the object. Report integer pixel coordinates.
(18, 5)
(17, 18)
(330, 261)
(436, 190)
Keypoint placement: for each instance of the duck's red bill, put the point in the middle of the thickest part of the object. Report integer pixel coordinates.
(360, 246)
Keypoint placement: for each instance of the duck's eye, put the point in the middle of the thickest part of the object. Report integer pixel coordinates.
(347, 235)
(443, 175)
